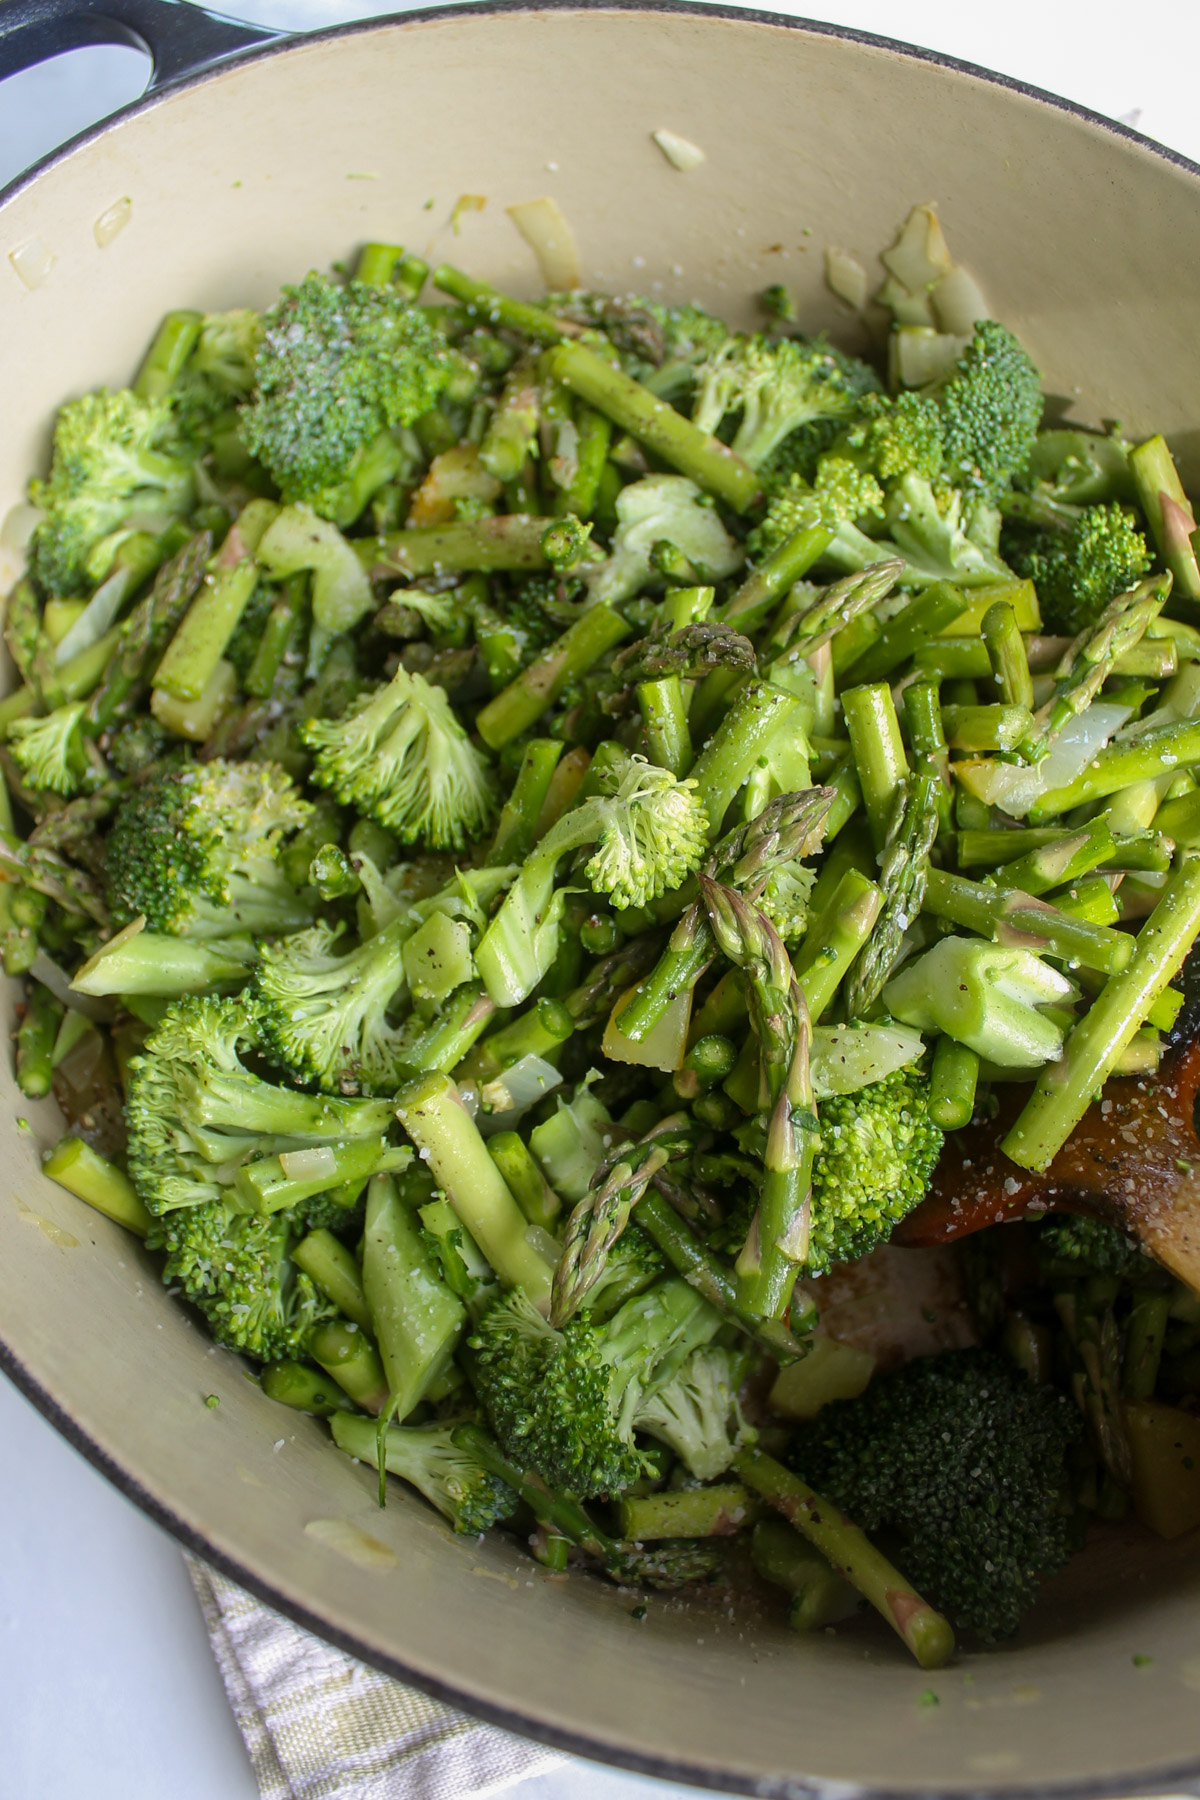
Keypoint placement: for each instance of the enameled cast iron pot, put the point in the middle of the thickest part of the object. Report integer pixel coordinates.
(245, 166)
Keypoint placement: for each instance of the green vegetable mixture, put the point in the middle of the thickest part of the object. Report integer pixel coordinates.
(526, 825)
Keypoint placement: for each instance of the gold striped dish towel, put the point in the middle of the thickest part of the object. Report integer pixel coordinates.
(321, 1726)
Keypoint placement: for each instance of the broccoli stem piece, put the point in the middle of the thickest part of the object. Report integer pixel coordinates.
(1009, 916)
(730, 754)
(953, 1078)
(656, 424)
(593, 437)
(781, 1556)
(926, 1633)
(525, 1181)
(136, 961)
(35, 1040)
(537, 1032)
(1065, 1089)
(712, 1280)
(1006, 654)
(496, 309)
(91, 1177)
(698, 1512)
(835, 938)
(512, 429)
(146, 633)
(296, 1385)
(1146, 1328)
(1168, 512)
(773, 578)
(516, 828)
(665, 723)
(378, 264)
(523, 701)
(468, 546)
(432, 1113)
(921, 619)
(269, 1185)
(416, 1319)
(878, 748)
(165, 360)
(1119, 765)
(336, 1271)
(349, 1356)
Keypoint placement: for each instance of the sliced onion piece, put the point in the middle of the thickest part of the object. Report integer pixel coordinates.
(1015, 786)
(846, 277)
(506, 1100)
(680, 152)
(545, 230)
(848, 1057)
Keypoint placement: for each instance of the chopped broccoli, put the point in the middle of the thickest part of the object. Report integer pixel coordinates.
(1078, 571)
(839, 494)
(879, 1148)
(49, 751)
(401, 757)
(633, 1264)
(777, 386)
(107, 463)
(324, 1017)
(197, 1115)
(987, 996)
(337, 364)
(662, 510)
(567, 1403)
(693, 1412)
(195, 850)
(236, 1268)
(649, 831)
(943, 534)
(219, 372)
(963, 1457)
(427, 1457)
(893, 435)
(991, 406)
(1091, 1247)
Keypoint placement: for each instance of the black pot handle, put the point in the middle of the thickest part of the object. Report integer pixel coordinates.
(181, 39)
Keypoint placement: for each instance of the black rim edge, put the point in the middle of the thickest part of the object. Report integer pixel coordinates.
(518, 1723)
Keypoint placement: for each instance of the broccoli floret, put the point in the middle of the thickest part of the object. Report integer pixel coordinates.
(660, 346)
(337, 364)
(778, 386)
(107, 463)
(650, 833)
(324, 1017)
(427, 1457)
(219, 372)
(1091, 1247)
(139, 742)
(966, 1460)
(236, 1268)
(662, 513)
(49, 752)
(567, 1403)
(879, 1148)
(942, 533)
(897, 434)
(991, 406)
(195, 851)
(401, 756)
(1077, 572)
(840, 493)
(197, 1114)
(693, 1412)
(634, 1263)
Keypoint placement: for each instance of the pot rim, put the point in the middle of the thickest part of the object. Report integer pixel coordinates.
(512, 1719)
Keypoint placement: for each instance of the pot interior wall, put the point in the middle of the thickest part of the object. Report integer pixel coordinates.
(289, 161)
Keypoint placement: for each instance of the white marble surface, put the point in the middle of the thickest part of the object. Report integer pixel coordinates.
(109, 1689)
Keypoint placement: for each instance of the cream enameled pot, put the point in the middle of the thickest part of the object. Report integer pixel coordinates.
(243, 168)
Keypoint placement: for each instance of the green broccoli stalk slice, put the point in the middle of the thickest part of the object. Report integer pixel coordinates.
(776, 387)
(693, 1412)
(236, 1269)
(107, 463)
(1080, 569)
(963, 1458)
(567, 1403)
(401, 757)
(299, 540)
(650, 833)
(337, 364)
(196, 1114)
(942, 534)
(662, 510)
(195, 851)
(324, 1017)
(879, 1147)
(427, 1457)
(50, 751)
(986, 996)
